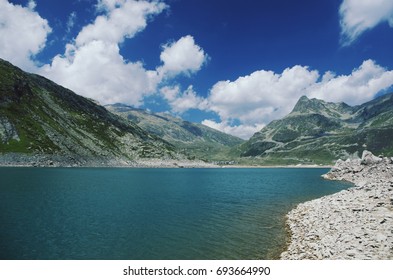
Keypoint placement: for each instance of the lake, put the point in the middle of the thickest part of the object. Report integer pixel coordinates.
(121, 213)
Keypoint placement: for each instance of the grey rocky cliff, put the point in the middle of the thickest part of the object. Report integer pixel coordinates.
(7, 131)
(356, 223)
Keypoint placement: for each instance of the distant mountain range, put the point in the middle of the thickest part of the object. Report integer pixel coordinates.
(321, 132)
(195, 140)
(40, 119)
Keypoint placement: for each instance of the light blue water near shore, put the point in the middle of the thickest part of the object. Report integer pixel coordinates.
(87, 213)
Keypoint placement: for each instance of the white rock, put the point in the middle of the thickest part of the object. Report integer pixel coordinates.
(369, 158)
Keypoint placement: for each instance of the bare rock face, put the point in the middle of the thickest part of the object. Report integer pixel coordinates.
(7, 131)
(356, 223)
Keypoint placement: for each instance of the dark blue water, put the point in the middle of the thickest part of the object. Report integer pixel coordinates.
(54, 213)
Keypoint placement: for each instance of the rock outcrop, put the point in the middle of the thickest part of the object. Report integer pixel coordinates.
(7, 131)
(356, 223)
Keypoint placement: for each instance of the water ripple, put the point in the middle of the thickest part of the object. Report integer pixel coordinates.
(150, 213)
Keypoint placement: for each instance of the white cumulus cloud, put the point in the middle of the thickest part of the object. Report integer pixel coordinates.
(182, 57)
(357, 16)
(242, 131)
(23, 33)
(360, 86)
(122, 19)
(182, 101)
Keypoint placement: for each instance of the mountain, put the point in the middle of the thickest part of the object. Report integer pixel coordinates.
(194, 139)
(40, 118)
(320, 132)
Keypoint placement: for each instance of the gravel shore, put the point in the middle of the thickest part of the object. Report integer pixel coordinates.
(356, 223)
(40, 160)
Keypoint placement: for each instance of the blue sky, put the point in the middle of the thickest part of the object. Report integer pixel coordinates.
(232, 65)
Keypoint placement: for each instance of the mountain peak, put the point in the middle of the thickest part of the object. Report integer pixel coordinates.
(318, 106)
(304, 98)
(306, 105)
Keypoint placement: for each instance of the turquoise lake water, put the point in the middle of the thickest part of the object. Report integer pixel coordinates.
(109, 213)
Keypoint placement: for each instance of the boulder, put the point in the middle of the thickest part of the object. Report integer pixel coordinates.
(368, 158)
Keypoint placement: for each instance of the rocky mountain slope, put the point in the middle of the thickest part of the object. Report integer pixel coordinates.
(196, 140)
(41, 119)
(320, 132)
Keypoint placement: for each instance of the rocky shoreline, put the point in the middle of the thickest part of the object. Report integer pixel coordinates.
(40, 160)
(356, 223)
(45, 160)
